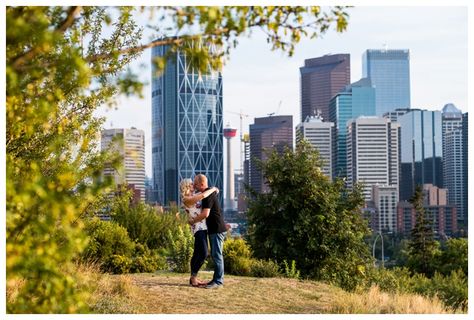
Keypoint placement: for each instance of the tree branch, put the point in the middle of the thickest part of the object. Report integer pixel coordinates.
(30, 54)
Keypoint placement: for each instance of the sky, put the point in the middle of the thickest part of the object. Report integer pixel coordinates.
(258, 81)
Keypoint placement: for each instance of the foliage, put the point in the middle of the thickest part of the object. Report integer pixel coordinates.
(117, 264)
(307, 218)
(454, 256)
(451, 289)
(62, 63)
(106, 239)
(237, 257)
(144, 224)
(264, 268)
(423, 249)
(290, 271)
(181, 249)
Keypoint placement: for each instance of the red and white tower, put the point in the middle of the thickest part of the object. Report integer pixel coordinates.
(229, 133)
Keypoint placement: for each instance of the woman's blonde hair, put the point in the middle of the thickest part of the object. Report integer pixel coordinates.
(184, 187)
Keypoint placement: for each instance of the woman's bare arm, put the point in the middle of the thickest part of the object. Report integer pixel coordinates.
(189, 201)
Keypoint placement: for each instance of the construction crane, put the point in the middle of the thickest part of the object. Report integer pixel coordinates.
(241, 116)
(277, 111)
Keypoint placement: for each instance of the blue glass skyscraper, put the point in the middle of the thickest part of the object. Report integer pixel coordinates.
(357, 99)
(187, 132)
(421, 151)
(389, 71)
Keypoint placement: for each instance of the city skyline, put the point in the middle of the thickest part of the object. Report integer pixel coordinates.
(435, 36)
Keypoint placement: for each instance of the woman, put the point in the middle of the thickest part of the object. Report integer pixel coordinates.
(192, 205)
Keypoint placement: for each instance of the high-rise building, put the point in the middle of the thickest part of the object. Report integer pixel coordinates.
(187, 130)
(389, 71)
(130, 145)
(275, 132)
(372, 153)
(385, 199)
(321, 78)
(453, 170)
(421, 151)
(465, 169)
(229, 203)
(357, 99)
(451, 118)
(322, 136)
(395, 114)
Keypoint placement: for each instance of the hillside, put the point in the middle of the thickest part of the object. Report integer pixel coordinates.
(170, 293)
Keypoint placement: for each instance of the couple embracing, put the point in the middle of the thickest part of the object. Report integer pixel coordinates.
(206, 220)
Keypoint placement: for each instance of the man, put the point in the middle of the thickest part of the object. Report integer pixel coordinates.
(216, 229)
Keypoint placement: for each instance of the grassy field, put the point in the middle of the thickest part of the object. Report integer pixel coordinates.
(170, 293)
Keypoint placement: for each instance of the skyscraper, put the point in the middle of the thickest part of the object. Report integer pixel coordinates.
(465, 161)
(451, 120)
(321, 78)
(389, 71)
(275, 132)
(357, 99)
(372, 153)
(130, 145)
(453, 172)
(421, 151)
(322, 136)
(187, 131)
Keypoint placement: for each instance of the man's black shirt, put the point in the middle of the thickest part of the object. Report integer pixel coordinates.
(215, 221)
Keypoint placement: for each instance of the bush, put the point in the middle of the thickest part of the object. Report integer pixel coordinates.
(144, 224)
(181, 249)
(117, 264)
(106, 239)
(237, 257)
(264, 269)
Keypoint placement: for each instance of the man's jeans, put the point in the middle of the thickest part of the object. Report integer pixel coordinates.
(217, 242)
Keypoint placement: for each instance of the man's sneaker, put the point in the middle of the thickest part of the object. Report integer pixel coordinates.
(213, 285)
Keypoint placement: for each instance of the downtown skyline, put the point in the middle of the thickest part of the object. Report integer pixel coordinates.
(259, 81)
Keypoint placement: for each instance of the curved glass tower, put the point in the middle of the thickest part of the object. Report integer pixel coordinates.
(187, 132)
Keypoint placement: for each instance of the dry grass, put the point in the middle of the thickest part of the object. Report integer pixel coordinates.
(171, 293)
(109, 294)
(376, 301)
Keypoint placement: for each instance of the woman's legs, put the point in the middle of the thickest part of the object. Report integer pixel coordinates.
(199, 254)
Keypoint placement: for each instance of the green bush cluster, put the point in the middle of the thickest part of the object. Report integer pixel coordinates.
(110, 246)
(451, 289)
(181, 249)
(238, 261)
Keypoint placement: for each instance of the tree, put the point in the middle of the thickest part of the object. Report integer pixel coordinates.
(307, 218)
(423, 249)
(62, 63)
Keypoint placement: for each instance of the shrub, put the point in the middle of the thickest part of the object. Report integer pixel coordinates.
(144, 224)
(181, 249)
(290, 271)
(264, 268)
(237, 257)
(117, 264)
(106, 239)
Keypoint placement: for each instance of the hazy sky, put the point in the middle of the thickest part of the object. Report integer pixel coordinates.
(257, 79)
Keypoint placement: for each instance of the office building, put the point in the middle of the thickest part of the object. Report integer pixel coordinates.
(267, 134)
(322, 136)
(421, 151)
(385, 199)
(372, 153)
(389, 71)
(130, 145)
(357, 99)
(395, 114)
(187, 130)
(321, 78)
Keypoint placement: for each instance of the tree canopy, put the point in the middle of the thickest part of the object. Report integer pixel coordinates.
(310, 219)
